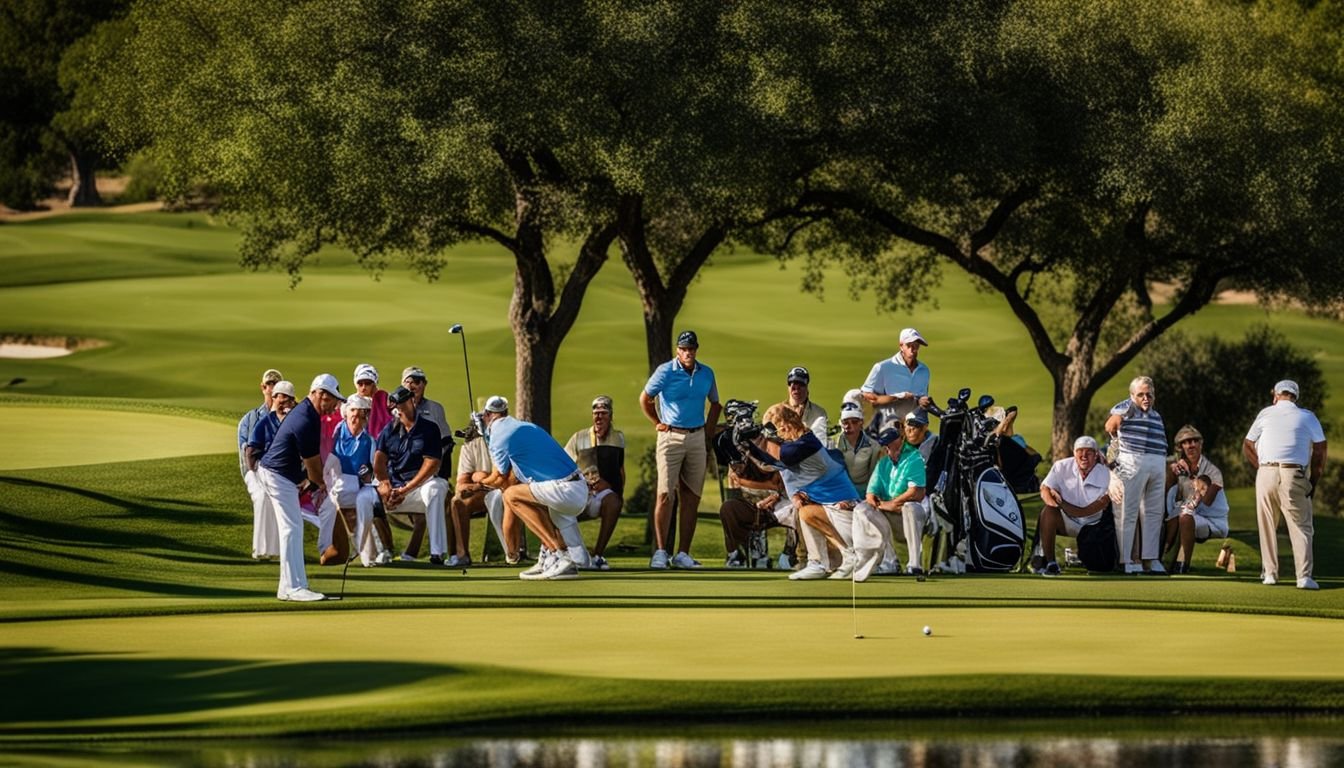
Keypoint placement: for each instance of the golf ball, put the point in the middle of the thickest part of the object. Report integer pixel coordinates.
(928, 630)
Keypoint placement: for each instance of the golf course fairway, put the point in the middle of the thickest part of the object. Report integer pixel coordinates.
(53, 437)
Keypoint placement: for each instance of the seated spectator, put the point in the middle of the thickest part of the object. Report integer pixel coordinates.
(349, 475)
(406, 464)
(897, 490)
(599, 451)
(861, 452)
(756, 502)
(474, 499)
(1076, 493)
(829, 508)
(1194, 513)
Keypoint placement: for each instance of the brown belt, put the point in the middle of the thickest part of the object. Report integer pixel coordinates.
(1281, 465)
(683, 430)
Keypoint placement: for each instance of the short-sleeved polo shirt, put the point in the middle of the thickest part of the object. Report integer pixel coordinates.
(529, 451)
(263, 432)
(407, 449)
(682, 394)
(1140, 431)
(474, 457)
(1075, 489)
(1283, 432)
(297, 439)
(353, 451)
(891, 479)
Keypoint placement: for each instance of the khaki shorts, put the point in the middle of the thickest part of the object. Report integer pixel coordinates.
(681, 457)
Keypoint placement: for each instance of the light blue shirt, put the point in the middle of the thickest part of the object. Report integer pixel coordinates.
(529, 451)
(681, 394)
(892, 375)
(352, 450)
(245, 427)
(805, 466)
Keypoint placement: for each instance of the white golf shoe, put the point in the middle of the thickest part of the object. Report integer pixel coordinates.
(813, 570)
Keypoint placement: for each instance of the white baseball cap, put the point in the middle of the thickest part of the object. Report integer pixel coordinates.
(327, 383)
(358, 402)
(1086, 441)
(910, 335)
(365, 371)
(496, 404)
(854, 396)
(1287, 385)
(284, 388)
(850, 410)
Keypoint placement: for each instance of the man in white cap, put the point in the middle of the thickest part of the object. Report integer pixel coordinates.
(291, 461)
(349, 475)
(860, 451)
(600, 453)
(899, 384)
(1076, 494)
(380, 412)
(1286, 445)
(265, 535)
(542, 486)
(406, 463)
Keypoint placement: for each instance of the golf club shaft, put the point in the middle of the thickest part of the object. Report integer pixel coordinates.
(466, 365)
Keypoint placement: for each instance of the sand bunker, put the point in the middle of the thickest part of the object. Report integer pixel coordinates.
(31, 347)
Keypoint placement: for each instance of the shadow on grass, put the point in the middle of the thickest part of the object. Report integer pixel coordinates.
(108, 581)
(54, 691)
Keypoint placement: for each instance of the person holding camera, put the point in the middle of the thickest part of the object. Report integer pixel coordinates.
(682, 386)
(291, 462)
(349, 475)
(829, 508)
(406, 463)
(1287, 447)
(600, 453)
(899, 384)
(542, 486)
(1193, 515)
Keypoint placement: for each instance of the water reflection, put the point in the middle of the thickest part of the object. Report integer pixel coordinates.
(1262, 745)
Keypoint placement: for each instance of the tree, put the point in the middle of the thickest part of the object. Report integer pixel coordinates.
(48, 68)
(1069, 156)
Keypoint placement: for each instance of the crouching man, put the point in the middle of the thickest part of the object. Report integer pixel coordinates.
(406, 464)
(542, 487)
(1076, 495)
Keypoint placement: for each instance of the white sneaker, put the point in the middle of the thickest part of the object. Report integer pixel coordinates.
(562, 567)
(813, 570)
(405, 558)
(303, 595)
(659, 560)
(846, 568)
(735, 560)
(1269, 580)
(1133, 568)
(1307, 583)
(683, 560)
(459, 562)
(1156, 568)
(384, 558)
(599, 563)
(535, 573)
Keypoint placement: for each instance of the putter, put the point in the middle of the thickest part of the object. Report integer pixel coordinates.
(368, 528)
(457, 329)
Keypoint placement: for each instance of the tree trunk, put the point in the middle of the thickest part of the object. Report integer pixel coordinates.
(1070, 415)
(535, 353)
(84, 183)
(658, 332)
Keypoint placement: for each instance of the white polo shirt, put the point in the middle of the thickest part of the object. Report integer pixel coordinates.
(1284, 433)
(1073, 487)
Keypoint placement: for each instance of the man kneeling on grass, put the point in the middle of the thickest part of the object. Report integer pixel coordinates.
(542, 487)
(1076, 495)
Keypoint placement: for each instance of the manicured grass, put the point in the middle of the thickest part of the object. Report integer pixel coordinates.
(53, 437)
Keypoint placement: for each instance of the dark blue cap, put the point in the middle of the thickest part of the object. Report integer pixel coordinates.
(888, 436)
(400, 395)
(917, 416)
(688, 339)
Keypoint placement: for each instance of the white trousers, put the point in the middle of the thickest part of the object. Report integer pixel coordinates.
(567, 525)
(914, 516)
(862, 529)
(284, 498)
(428, 500)
(265, 533)
(344, 492)
(1143, 477)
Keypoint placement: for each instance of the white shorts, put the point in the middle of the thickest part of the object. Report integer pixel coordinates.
(592, 510)
(1072, 525)
(566, 498)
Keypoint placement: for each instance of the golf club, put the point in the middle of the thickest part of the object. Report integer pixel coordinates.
(471, 400)
(854, 604)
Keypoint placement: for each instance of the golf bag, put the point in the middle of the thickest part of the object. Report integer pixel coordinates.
(979, 523)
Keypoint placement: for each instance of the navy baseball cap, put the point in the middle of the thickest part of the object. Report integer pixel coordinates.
(688, 339)
(798, 373)
(888, 437)
(917, 416)
(400, 395)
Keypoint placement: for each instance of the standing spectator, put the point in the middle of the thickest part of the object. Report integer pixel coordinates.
(899, 384)
(1136, 428)
(406, 464)
(861, 452)
(799, 401)
(1076, 494)
(265, 534)
(263, 432)
(292, 459)
(542, 487)
(1286, 445)
(600, 453)
(413, 378)
(380, 411)
(897, 490)
(682, 386)
(1192, 515)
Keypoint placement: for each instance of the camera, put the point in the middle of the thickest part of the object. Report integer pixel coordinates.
(474, 429)
(741, 418)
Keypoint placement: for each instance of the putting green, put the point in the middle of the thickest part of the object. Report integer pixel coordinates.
(38, 437)
(679, 644)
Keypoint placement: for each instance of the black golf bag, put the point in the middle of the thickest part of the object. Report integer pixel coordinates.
(977, 518)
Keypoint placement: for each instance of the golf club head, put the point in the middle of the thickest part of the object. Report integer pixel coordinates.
(457, 328)
(964, 394)
(985, 402)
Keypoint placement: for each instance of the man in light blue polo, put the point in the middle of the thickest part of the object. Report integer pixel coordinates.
(542, 486)
(682, 385)
(900, 384)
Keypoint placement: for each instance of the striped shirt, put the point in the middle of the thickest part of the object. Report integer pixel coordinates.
(1140, 431)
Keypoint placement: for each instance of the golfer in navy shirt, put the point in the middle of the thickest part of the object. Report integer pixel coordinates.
(542, 486)
(682, 386)
(293, 458)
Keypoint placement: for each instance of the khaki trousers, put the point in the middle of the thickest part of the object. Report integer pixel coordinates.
(1283, 491)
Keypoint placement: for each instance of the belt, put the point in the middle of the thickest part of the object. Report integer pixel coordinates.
(683, 430)
(577, 475)
(1281, 465)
